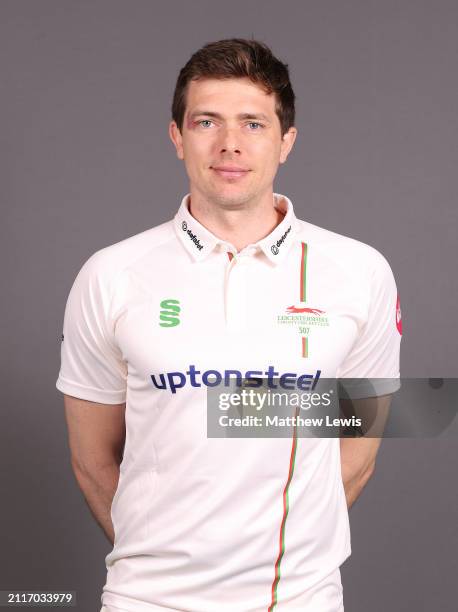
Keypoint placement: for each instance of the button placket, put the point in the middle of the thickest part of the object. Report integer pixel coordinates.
(235, 293)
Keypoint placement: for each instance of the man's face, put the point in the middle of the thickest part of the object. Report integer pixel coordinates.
(231, 140)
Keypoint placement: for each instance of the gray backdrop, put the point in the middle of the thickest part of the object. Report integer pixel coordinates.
(86, 161)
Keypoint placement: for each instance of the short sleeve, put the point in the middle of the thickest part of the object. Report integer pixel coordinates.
(92, 367)
(373, 361)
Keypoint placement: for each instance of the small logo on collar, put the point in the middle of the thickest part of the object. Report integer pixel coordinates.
(275, 248)
(193, 237)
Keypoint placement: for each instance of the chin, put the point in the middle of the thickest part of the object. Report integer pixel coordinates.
(232, 200)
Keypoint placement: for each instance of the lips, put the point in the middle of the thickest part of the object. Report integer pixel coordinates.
(230, 171)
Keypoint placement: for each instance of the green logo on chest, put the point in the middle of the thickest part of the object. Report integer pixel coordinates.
(170, 313)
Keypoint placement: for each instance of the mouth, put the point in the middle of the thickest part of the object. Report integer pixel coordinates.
(228, 172)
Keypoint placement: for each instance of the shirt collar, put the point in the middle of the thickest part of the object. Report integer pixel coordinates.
(200, 242)
(277, 244)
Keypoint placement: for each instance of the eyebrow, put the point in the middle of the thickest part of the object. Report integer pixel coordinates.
(198, 113)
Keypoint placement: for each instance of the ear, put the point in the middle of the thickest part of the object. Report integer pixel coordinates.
(176, 138)
(287, 143)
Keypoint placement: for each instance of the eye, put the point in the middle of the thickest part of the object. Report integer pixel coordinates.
(256, 123)
(204, 121)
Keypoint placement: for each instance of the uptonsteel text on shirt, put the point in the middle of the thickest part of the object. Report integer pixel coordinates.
(251, 378)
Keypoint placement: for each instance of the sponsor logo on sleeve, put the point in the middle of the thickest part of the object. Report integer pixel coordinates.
(398, 315)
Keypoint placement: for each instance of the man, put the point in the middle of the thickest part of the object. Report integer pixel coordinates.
(234, 286)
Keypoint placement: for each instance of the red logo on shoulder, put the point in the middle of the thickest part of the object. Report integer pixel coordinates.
(398, 315)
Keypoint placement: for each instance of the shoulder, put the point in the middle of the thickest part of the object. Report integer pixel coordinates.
(108, 262)
(355, 256)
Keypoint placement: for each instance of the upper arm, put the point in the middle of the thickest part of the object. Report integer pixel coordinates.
(370, 372)
(371, 368)
(372, 411)
(358, 454)
(92, 364)
(96, 432)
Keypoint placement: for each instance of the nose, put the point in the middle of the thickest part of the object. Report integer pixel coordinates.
(229, 141)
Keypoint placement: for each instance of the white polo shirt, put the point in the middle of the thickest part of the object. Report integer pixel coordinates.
(229, 524)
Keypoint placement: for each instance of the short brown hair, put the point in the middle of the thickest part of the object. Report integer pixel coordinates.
(235, 58)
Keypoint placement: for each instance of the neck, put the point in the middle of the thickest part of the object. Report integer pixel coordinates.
(240, 225)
